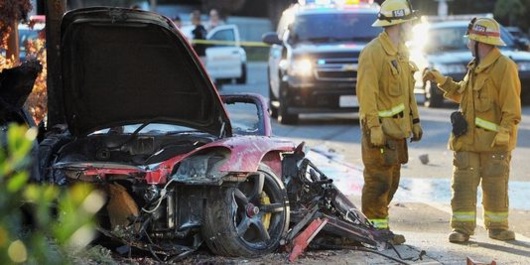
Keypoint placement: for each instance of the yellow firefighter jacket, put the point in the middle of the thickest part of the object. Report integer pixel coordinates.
(385, 88)
(489, 97)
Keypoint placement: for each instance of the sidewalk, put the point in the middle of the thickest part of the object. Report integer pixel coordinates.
(425, 226)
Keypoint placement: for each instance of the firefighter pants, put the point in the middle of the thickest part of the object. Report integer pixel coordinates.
(381, 177)
(491, 170)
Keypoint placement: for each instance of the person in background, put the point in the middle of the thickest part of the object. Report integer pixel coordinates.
(388, 111)
(198, 33)
(177, 21)
(214, 20)
(484, 132)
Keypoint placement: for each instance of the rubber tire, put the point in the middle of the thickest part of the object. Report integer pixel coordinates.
(284, 117)
(225, 211)
(47, 154)
(433, 98)
(243, 79)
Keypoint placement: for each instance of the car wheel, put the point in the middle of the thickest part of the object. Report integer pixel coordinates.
(284, 117)
(47, 153)
(248, 219)
(433, 98)
(243, 78)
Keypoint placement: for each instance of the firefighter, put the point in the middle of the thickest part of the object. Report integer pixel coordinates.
(484, 132)
(388, 110)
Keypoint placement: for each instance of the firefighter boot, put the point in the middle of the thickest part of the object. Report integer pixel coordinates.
(458, 237)
(398, 239)
(501, 234)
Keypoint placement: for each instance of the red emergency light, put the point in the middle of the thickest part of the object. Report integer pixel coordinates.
(334, 2)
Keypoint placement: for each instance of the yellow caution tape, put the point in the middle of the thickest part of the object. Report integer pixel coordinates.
(231, 43)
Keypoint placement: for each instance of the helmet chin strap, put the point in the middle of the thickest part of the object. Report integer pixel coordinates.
(477, 58)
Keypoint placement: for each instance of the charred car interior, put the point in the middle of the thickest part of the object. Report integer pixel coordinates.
(179, 168)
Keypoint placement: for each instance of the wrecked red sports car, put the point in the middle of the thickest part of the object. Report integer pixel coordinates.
(136, 115)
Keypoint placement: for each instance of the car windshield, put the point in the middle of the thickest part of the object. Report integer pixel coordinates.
(452, 39)
(149, 128)
(334, 27)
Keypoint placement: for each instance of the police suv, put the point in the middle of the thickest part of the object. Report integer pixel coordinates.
(313, 60)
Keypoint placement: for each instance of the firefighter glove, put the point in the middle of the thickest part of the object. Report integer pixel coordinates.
(433, 75)
(377, 137)
(459, 123)
(502, 138)
(417, 132)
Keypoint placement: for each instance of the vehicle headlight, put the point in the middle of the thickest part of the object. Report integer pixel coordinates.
(451, 68)
(200, 167)
(194, 167)
(301, 67)
(523, 66)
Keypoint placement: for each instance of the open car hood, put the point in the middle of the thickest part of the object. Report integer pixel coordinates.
(122, 66)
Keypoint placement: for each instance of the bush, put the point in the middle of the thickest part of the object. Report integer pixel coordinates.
(40, 224)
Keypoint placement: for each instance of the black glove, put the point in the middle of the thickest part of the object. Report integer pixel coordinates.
(459, 123)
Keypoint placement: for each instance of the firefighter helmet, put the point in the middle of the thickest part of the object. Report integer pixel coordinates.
(394, 12)
(485, 30)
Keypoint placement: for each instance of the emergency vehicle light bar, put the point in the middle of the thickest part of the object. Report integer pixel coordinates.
(334, 2)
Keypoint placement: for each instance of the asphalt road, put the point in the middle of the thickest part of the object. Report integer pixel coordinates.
(341, 133)
(421, 207)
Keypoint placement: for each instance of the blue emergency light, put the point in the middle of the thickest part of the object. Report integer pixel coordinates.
(334, 2)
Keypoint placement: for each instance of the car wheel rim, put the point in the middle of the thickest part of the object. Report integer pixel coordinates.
(259, 209)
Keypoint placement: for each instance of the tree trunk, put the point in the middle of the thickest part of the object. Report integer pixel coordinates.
(13, 50)
(152, 4)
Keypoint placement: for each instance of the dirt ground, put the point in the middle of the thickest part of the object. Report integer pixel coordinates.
(425, 227)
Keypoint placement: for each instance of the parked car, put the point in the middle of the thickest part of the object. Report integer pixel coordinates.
(28, 32)
(520, 37)
(442, 45)
(226, 60)
(313, 60)
(135, 115)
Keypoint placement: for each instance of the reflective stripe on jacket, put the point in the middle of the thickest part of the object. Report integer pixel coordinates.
(489, 96)
(392, 112)
(385, 82)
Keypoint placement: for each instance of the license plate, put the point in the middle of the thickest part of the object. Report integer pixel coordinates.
(348, 101)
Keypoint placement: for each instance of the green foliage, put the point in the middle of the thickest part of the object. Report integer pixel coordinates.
(54, 236)
(510, 11)
(11, 11)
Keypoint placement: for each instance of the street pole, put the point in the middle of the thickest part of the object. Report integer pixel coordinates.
(152, 5)
(54, 11)
(442, 8)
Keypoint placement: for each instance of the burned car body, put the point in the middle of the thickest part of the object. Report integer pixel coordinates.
(143, 122)
(137, 116)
